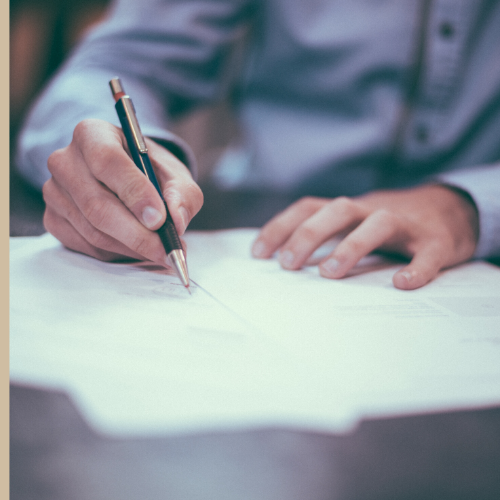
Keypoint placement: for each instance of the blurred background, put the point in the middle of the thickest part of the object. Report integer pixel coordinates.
(42, 33)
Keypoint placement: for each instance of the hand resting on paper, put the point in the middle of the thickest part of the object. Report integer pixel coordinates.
(99, 203)
(436, 226)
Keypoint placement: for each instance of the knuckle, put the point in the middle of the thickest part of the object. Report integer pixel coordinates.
(56, 161)
(307, 233)
(49, 222)
(141, 245)
(54, 199)
(268, 232)
(102, 161)
(186, 194)
(92, 140)
(196, 196)
(344, 205)
(47, 191)
(84, 129)
(354, 246)
(96, 238)
(308, 202)
(386, 217)
(95, 209)
(56, 226)
(93, 236)
(133, 190)
(71, 213)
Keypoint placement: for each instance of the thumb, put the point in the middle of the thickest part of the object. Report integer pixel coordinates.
(423, 268)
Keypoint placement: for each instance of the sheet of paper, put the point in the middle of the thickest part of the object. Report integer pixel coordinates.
(254, 345)
(394, 351)
(140, 355)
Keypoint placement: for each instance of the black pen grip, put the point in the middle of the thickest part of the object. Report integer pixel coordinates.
(168, 235)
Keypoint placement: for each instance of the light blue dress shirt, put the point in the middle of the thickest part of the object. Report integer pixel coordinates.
(333, 96)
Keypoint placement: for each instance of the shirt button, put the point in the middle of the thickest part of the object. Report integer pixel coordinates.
(446, 30)
(421, 133)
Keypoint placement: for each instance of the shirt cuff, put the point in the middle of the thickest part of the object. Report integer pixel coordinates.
(482, 185)
(177, 146)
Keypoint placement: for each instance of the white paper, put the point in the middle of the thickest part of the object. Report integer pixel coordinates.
(254, 345)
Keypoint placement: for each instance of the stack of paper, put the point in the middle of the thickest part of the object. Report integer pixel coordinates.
(254, 345)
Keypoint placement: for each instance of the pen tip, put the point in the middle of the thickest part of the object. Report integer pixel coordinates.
(188, 289)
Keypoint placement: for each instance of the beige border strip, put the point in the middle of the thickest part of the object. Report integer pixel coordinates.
(4, 249)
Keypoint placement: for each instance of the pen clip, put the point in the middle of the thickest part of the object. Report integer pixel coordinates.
(134, 124)
(128, 108)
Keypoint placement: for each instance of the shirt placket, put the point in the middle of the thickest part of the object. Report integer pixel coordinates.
(445, 41)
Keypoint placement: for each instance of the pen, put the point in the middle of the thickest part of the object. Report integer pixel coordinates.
(139, 151)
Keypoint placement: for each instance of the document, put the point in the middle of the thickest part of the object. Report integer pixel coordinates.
(254, 345)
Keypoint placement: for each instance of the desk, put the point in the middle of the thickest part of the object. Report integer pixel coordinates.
(54, 455)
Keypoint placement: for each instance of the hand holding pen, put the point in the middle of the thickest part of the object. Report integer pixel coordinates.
(100, 204)
(139, 152)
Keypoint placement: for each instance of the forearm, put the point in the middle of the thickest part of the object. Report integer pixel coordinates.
(75, 95)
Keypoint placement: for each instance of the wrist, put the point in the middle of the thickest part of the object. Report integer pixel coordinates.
(466, 204)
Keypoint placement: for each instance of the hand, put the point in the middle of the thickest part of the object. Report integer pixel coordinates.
(99, 203)
(435, 225)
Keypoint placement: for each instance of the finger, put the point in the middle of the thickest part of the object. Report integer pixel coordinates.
(102, 209)
(184, 200)
(59, 203)
(378, 228)
(72, 239)
(108, 215)
(333, 217)
(424, 267)
(183, 196)
(277, 231)
(102, 148)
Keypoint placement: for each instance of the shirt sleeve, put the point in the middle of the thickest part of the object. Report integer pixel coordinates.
(482, 184)
(171, 56)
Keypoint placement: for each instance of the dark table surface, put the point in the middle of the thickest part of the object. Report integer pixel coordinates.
(56, 456)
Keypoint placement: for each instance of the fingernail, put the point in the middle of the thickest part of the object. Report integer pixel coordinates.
(286, 258)
(151, 217)
(405, 280)
(331, 266)
(184, 218)
(406, 275)
(259, 249)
